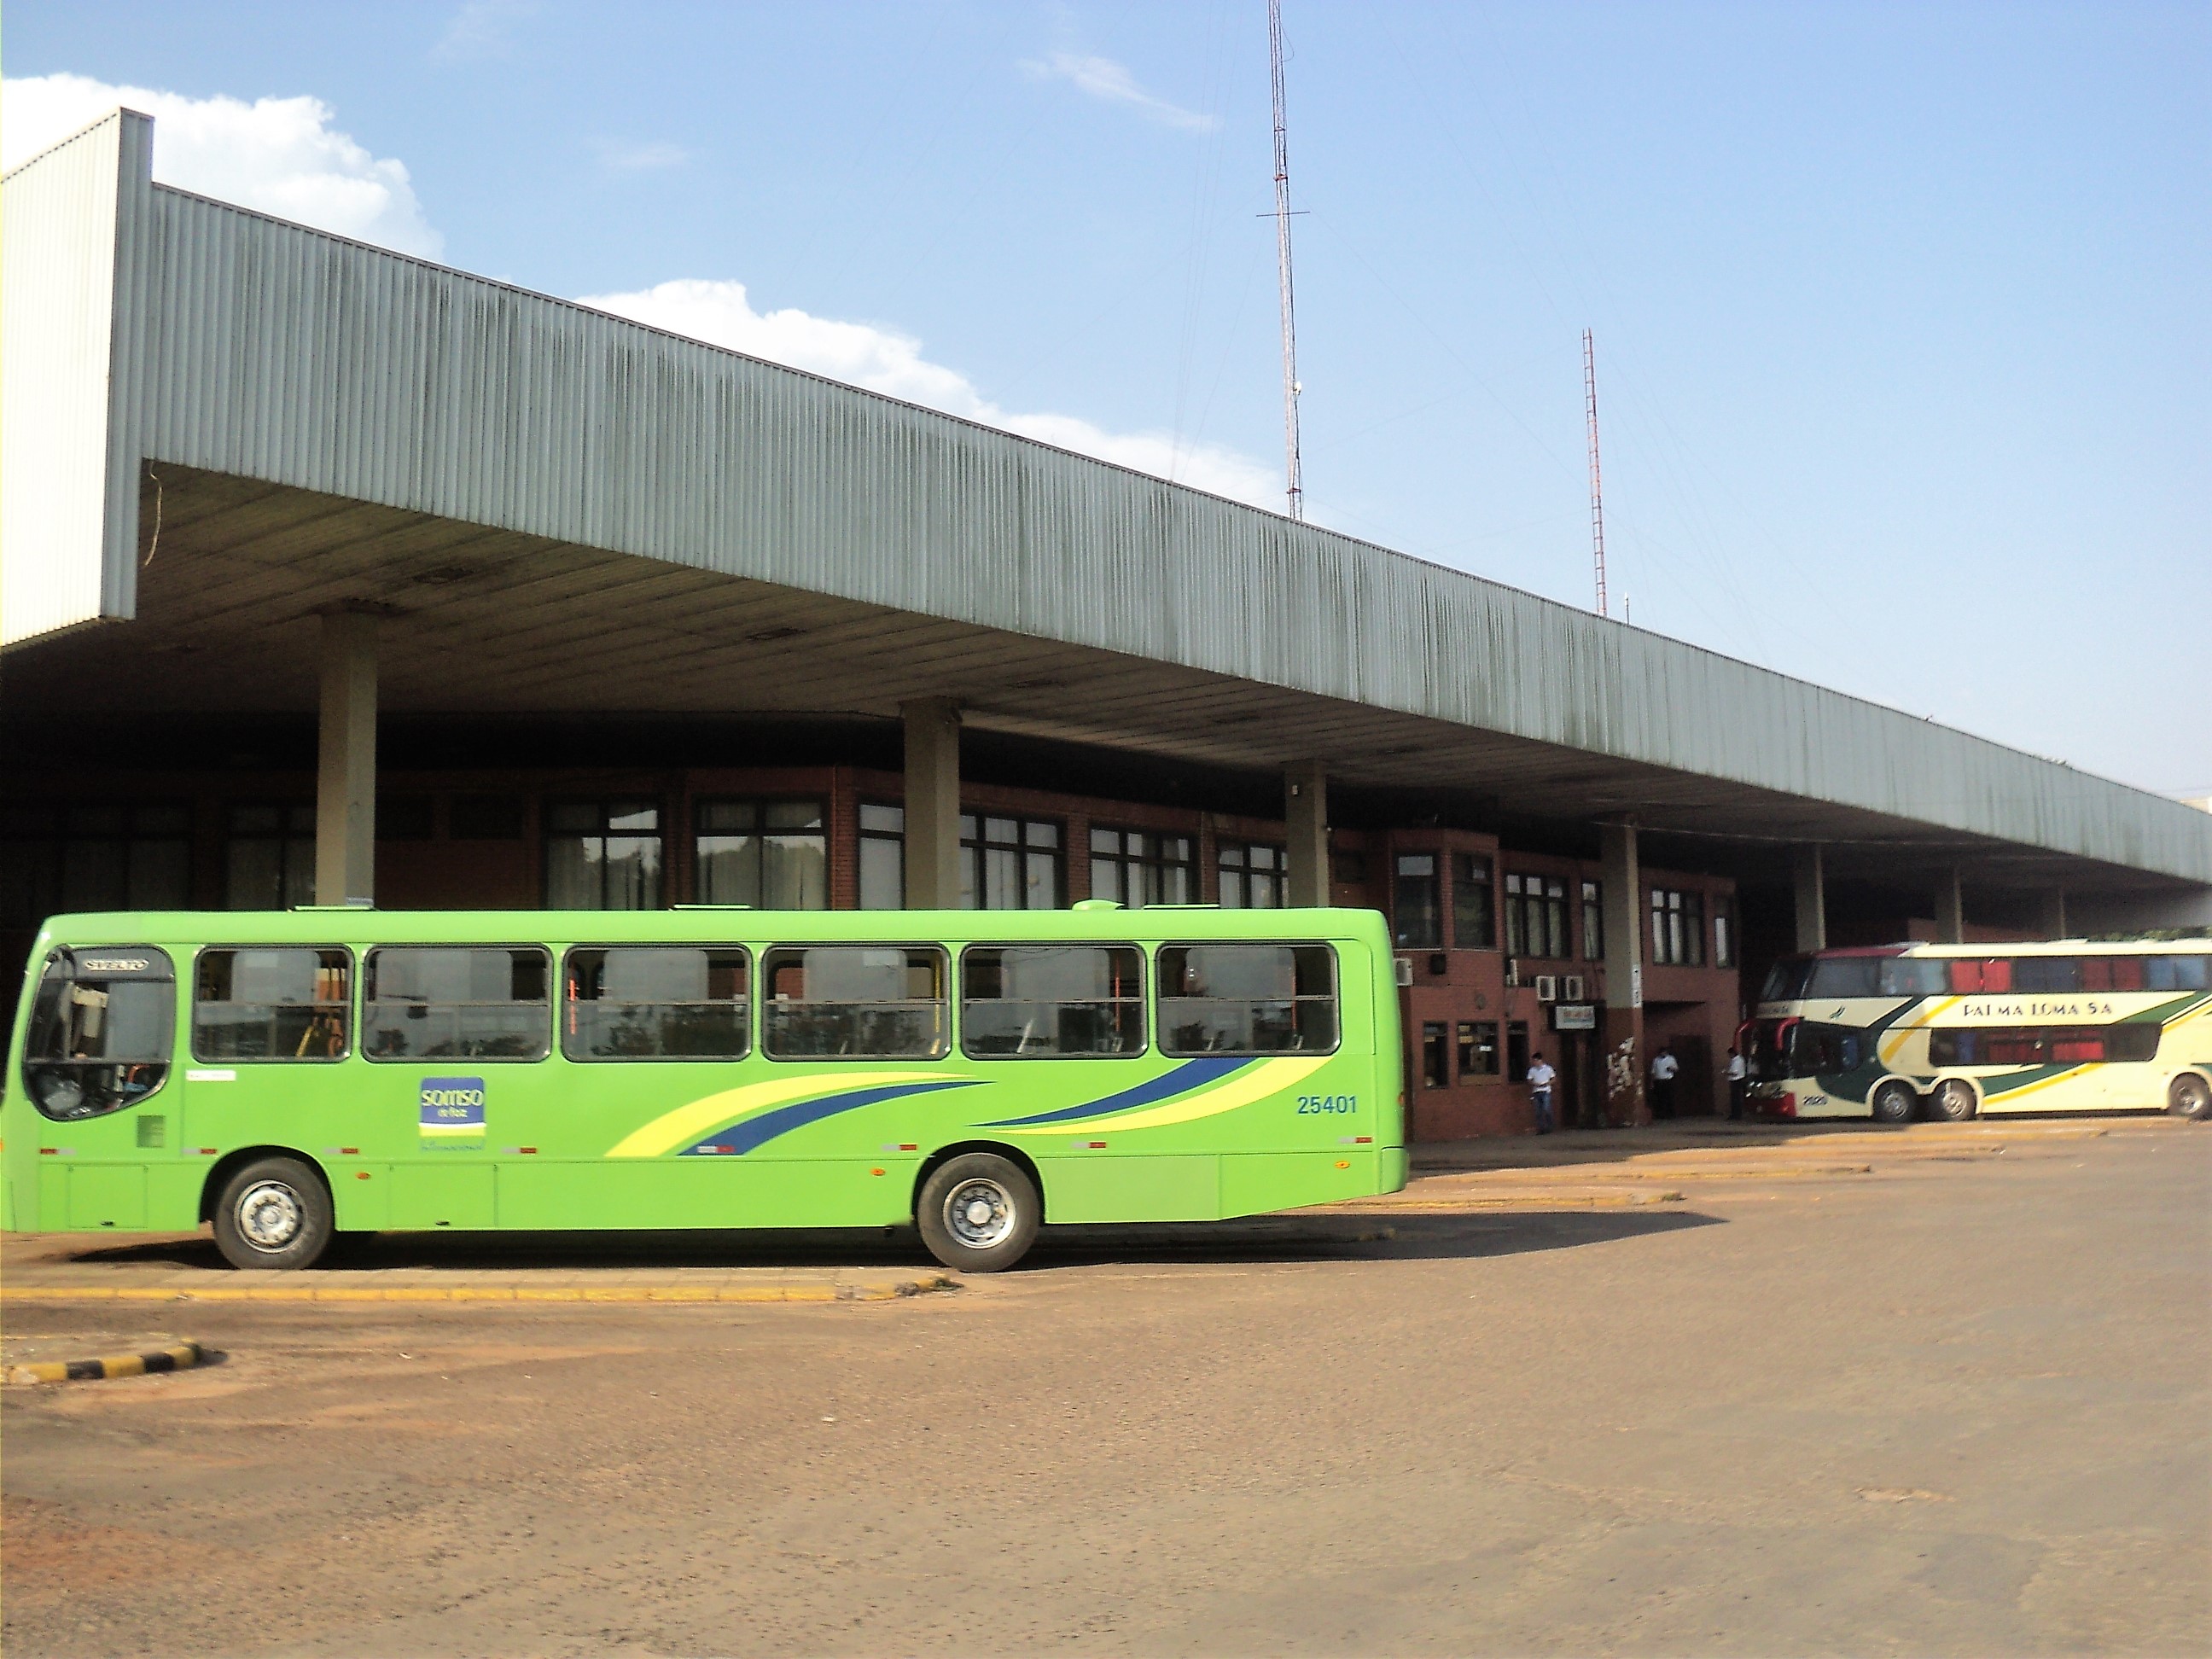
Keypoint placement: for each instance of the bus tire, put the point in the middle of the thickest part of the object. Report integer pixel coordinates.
(2190, 1096)
(1895, 1101)
(275, 1213)
(978, 1213)
(1953, 1101)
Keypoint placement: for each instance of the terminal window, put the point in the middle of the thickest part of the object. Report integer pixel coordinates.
(1253, 875)
(1138, 867)
(1009, 864)
(1535, 916)
(268, 862)
(771, 854)
(1678, 928)
(1417, 915)
(603, 855)
(883, 857)
(103, 857)
(1474, 927)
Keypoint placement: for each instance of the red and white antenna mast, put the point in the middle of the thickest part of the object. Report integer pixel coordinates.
(1294, 481)
(1597, 483)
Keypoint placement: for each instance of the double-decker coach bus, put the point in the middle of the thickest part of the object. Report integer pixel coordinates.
(1955, 1031)
(293, 1077)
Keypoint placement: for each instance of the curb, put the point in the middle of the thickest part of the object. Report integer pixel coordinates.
(183, 1357)
(611, 1293)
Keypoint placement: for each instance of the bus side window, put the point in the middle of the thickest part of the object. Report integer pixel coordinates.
(655, 1002)
(1044, 1000)
(272, 1004)
(2176, 973)
(456, 1001)
(102, 1027)
(1247, 999)
(856, 1002)
(1986, 976)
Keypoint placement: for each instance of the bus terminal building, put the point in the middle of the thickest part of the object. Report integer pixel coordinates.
(329, 576)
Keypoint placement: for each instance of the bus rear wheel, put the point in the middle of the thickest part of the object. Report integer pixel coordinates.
(1895, 1103)
(2189, 1096)
(274, 1213)
(1953, 1101)
(979, 1213)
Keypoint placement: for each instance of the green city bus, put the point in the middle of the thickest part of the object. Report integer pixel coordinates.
(293, 1077)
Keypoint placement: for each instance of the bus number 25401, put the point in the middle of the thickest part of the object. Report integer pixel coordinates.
(1313, 1105)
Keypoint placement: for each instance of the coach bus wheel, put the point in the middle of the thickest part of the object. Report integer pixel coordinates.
(978, 1213)
(1894, 1102)
(274, 1213)
(2190, 1096)
(1952, 1101)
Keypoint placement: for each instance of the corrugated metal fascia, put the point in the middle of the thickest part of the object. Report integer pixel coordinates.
(333, 366)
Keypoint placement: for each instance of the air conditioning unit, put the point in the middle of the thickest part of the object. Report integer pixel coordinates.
(1571, 989)
(1547, 987)
(1512, 970)
(1404, 973)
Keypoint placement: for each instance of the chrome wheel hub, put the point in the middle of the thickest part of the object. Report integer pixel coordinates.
(269, 1215)
(979, 1213)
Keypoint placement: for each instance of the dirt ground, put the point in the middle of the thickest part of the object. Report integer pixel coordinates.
(1941, 1391)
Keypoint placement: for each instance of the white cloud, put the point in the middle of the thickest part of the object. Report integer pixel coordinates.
(479, 29)
(862, 354)
(1103, 78)
(618, 157)
(279, 156)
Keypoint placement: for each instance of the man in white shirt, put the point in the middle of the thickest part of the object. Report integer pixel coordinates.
(1541, 1078)
(1738, 1075)
(1664, 1065)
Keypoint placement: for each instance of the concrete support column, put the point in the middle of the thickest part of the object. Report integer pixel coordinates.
(345, 775)
(2052, 904)
(1812, 900)
(1950, 910)
(932, 803)
(1305, 816)
(1623, 1030)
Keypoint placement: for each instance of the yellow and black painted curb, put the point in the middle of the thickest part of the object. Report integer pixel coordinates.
(183, 1357)
(517, 1293)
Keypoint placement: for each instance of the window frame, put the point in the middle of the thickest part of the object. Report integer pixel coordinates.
(1467, 1038)
(752, 999)
(1486, 885)
(1147, 977)
(975, 850)
(765, 998)
(552, 1003)
(1277, 876)
(759, 835)
(1400, 879)
(286, 838)
(1123, 861)
(352, 1008)
(604, 806)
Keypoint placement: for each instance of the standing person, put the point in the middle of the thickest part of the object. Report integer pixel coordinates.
(1738, 1074)
(1541, 1078)
(1664, 1065)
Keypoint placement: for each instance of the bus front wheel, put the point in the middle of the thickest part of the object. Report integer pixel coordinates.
(979, 1213)
(2189, 1096)
(274, 1213)
(1954, 1100)
(1894, 1102)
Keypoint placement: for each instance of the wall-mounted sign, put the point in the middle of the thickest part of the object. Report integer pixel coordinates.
(1574, 1017)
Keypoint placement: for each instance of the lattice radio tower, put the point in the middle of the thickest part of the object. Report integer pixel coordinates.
(1597, 483)
(1294, 482)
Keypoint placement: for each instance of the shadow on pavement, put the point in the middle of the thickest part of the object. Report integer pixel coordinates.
(1336, 1237)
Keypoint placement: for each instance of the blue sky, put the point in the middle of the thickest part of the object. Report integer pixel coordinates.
(1901, 309)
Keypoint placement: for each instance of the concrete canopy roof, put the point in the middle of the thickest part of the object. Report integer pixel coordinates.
(563, 510)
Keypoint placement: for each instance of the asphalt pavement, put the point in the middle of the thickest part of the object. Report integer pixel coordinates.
(1941, 1390)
